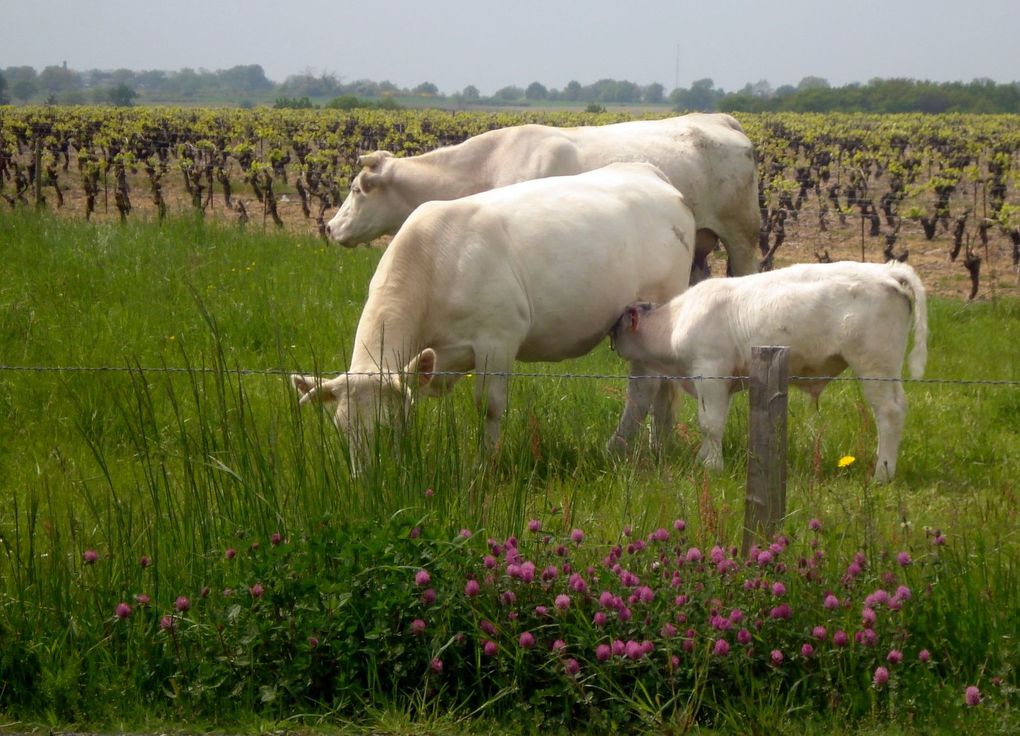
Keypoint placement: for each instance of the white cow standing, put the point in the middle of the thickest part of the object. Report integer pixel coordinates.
(830, 315)
(537, 271)
(706, 156)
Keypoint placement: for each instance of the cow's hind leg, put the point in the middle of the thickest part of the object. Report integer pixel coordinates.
(739, 230)
(742, 254)
(705, 241)
(889, 404)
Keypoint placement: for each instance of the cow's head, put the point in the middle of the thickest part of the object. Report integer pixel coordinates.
(372, 207)
(362, 402)
(625, 334)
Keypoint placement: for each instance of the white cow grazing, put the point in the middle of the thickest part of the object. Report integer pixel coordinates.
(707, 157)
(830, 316)
(537, 271)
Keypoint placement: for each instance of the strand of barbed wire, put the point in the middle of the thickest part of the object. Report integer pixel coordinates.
(282, 372)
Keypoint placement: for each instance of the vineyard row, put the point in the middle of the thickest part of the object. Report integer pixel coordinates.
(954, 174)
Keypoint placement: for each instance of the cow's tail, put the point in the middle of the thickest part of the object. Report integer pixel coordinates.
(911, 283)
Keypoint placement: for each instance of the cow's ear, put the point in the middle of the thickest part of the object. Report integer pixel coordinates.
(422, 367)
(635, 312)
(368, 180)
(371, 174)
(312, 389)
(373, 161)
(634, 316)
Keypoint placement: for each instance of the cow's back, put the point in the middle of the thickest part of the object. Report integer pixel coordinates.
(551, 260)
(707, 157)
(818, 310)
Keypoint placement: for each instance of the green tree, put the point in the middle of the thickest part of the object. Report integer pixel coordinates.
(245, 78)
(471, 94)
(654, 94)
(24, 89)
(812, 83)
(572, 91)
(309, 85)
(122, 76)
(509, 94)
(612, 90)
(4, 99)
(151, 81)
(122, 95)
(536, 91)
(345, 102)
(17, 73)
(701, 96)
(57, 79)
(622, 91)
(186, 83)
(427, 89)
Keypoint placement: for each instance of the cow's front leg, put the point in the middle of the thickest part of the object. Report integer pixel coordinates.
(491, 389)
(641, 392)
(713, 406)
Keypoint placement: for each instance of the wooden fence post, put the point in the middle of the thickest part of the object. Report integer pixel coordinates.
(765, 502)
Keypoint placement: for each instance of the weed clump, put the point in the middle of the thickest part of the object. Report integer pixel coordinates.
(638, 630)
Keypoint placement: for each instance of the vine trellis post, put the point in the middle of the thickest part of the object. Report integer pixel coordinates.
(38, 174)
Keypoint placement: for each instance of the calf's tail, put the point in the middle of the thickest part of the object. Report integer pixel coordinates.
(911, 283)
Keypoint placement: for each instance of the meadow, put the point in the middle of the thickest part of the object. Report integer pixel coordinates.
(182, 546)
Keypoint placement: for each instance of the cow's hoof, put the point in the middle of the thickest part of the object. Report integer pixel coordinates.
(712, 461)
(883, 473)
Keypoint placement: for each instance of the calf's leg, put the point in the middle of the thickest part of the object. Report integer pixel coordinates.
(662, 414)
(641, 393)
(889, 404)
(713, 406)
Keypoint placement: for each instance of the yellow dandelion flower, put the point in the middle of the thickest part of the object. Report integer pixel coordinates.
(846, 460)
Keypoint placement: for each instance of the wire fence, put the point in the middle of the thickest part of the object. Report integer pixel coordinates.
(283, 372)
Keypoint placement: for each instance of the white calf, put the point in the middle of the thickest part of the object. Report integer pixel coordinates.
(830, 315)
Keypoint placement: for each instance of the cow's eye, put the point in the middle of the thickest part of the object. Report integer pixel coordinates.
(355, 189)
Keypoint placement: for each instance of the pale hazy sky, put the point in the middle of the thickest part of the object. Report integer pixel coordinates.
(453, 43)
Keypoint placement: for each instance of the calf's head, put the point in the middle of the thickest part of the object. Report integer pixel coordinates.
(625, 337)
(372, 208)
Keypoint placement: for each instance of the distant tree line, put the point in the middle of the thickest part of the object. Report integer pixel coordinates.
(63, 86)
(248, 84)
(814, 94)
(604, 91)
(343, 102)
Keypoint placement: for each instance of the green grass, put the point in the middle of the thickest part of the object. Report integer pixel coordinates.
(180, 465)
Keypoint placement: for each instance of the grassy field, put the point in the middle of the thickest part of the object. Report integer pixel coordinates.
(189, 442)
